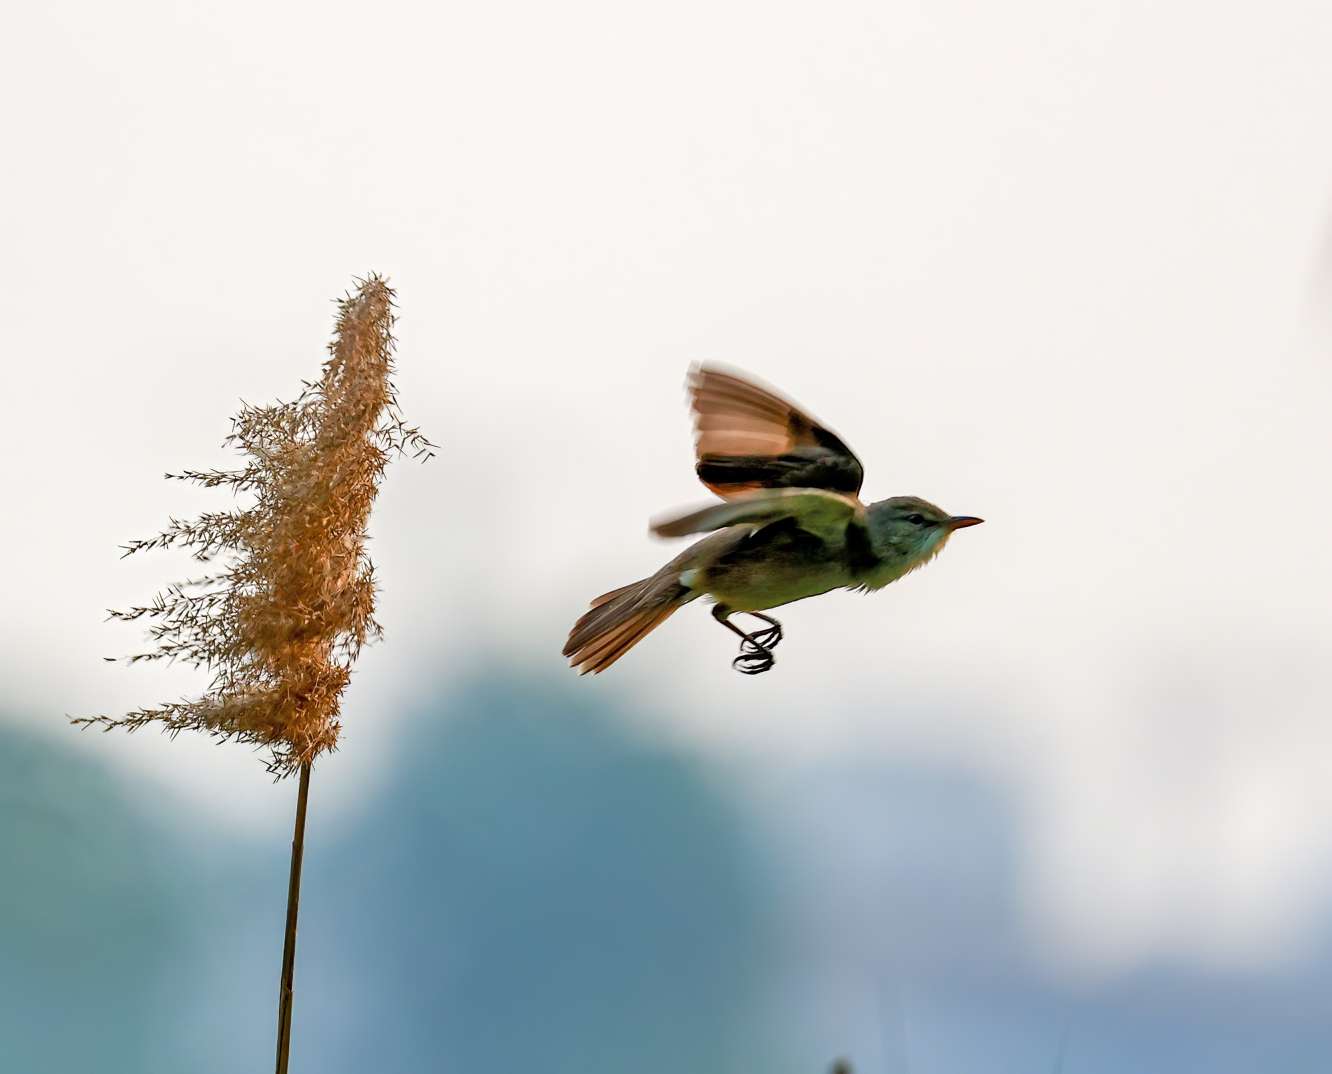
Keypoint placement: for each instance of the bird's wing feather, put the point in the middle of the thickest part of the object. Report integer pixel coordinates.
(747, 437)
(827, 515)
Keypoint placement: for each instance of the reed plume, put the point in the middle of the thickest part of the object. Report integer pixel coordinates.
(281, 620)
(280, 624)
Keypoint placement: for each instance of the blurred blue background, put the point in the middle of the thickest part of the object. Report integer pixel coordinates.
(543, 884)
(1058, 802)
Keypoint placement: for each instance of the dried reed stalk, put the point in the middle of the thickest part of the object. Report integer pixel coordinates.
(282, 619)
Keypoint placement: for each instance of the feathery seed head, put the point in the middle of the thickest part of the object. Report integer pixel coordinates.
(281, 621)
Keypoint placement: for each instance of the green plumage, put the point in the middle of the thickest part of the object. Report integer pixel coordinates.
(820, 546)
(769, 543)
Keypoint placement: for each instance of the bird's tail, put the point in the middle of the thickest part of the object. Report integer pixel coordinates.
(620, 619)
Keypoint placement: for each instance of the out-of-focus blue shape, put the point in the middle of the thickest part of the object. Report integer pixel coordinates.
(538, 886)
(919, 956)
(540, 889)
(92, 924)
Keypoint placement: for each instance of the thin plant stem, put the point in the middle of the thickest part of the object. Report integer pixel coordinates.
(293, 905)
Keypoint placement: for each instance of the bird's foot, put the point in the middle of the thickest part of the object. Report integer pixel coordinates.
(768, 638)
(753, 660)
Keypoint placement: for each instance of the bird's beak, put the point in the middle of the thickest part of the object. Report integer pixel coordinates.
(961, 522)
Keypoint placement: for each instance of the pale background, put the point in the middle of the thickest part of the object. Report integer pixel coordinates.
(1065, 266)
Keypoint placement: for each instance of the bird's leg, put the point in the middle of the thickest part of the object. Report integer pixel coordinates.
(755, 658)
(771, 637)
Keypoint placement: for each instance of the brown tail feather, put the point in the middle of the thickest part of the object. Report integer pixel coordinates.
(620, 619)
(634, 631)
(597, 602)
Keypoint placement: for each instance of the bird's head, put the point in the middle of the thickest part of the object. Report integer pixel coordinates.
(910, 531)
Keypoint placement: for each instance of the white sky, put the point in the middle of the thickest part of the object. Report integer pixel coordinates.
(1060, 265)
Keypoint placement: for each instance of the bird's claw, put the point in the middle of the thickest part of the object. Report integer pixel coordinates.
(756, 651)
(753, 660)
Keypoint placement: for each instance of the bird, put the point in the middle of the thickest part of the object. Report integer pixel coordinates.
(790, 525)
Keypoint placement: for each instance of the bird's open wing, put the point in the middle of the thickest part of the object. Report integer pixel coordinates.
(748, 437)
(828, 515)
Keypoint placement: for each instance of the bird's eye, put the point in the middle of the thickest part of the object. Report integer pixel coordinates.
(916, 520)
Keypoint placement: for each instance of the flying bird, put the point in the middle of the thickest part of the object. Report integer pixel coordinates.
(791, 525)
